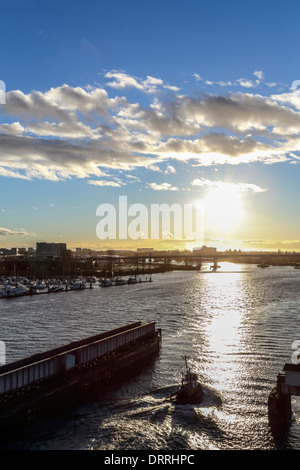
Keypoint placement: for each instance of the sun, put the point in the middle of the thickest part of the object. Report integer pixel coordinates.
(223, 210)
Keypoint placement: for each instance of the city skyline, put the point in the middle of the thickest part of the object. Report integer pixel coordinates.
(158, 103)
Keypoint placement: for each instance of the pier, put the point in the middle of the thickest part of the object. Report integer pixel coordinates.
(52, 380)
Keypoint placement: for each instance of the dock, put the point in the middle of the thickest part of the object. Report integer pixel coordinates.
(50, 381)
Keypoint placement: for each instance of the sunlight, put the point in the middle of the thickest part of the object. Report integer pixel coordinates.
(223, 209)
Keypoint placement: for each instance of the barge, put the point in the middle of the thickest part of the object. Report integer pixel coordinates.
(43, 384)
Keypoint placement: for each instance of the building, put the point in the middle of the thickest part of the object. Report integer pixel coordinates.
(144, 250)
(205, 251)
(50, 249)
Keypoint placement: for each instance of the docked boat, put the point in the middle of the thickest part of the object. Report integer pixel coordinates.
(91, 280)
(78, 285)
(190, 391)
(120, 282)
(14, 291)
(105, 283)
(2, 289)
(56, 288)
(132, 280)
(37, 286)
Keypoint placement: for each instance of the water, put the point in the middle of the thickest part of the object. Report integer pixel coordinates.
(237, 326)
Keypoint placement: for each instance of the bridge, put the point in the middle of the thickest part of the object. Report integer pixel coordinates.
(149, 259)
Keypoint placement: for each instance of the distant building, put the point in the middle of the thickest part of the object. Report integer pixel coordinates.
(5, 251)
(144, 250)
(86, 252)
(205, 251)
(50, 249)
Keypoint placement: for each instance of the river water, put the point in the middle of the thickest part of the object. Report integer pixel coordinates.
(237, 326)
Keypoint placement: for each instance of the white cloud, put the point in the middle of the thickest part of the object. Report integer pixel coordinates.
(197, 76)
(8, 232)
(12, 129)
(123, 80)
(154, 168)
(74, 132)
(162, 187)
(246, 83)
(170, 170)
(238, 187)
(115, 184)
(259, 74)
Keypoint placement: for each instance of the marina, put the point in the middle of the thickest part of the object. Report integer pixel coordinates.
(19, 287)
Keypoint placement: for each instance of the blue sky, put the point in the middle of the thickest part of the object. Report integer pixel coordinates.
(161, 101)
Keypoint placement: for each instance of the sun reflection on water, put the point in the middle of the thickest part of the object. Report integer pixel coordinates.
(222, 332)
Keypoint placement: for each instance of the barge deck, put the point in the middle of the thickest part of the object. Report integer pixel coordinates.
(55, 379)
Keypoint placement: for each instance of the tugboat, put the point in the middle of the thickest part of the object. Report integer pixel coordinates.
(190, 391)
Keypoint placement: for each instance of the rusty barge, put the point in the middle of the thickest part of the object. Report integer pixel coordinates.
(44, 383)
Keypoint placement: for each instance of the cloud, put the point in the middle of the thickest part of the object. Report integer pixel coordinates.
(238, 187)
(197, 76)
(8, 232)
(154, 168)
(259, 74)
(243, 82)
(75, 132)
(246, 83)
(123, 80)
(12, 129)
(170, 170)
(115, 184)
(162, 187)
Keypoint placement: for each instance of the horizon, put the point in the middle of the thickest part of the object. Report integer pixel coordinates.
(149, 250)
(159, 104)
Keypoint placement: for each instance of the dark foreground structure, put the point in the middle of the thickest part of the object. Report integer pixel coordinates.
(279, 402)
(50, 381)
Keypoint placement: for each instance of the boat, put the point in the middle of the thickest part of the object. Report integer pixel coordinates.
(37, 286)
(78, 285)
(91, 280)
(132, 280)
(105, 283)
(14, 291)
(56, 288)
(2, 289)
(120, 282)
(190, 391)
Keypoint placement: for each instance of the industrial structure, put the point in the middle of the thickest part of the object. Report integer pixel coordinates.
(46, 382)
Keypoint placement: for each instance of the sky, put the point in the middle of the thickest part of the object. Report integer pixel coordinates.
(186, 103)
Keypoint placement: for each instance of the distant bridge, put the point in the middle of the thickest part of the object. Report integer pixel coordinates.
(261, 259)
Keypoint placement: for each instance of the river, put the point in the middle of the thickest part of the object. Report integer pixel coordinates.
(237, 326)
